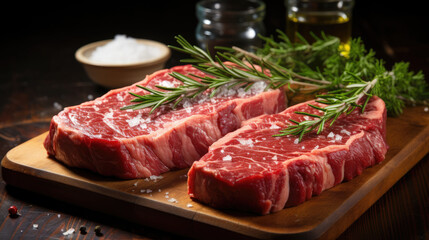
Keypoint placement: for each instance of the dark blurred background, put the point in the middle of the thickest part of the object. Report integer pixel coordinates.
(396, 30)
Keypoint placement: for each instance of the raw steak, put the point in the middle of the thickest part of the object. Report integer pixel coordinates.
(97, 135)
(251, 170)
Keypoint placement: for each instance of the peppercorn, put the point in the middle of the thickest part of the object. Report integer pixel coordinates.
(13, 210)
(97, 231)
(82, 229)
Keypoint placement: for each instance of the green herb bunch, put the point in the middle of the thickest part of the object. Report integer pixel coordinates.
(340, 79)
(324, 59)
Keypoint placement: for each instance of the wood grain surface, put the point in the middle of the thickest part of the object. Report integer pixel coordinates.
(325, 216)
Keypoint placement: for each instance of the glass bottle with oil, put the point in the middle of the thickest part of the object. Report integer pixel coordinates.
(333, 17)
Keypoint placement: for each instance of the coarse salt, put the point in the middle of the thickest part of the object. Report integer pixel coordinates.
(58, 106)
(338, 137)
(68, 232)
(274, 126)
(123, 49)
(155, 178)
(345, 131)
(166, 83)
(227, 158)
(246, 142)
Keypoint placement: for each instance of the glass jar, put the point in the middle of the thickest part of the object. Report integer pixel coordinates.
(332, 17)
(230, 23)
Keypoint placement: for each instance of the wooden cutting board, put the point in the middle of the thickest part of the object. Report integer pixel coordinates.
(164, 203)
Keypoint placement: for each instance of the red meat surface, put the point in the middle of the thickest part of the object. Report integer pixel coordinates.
(251, 170)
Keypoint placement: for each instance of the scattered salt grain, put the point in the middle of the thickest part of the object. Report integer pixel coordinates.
(331, 135)
(123, 49)
(58, 106)
(35, 226)
(189, 205)
(246, 142)
(258, 87)
(316, 147)
(273, 126)
(59, 215)
(155, 178)
(68, 232)
(303, 147)
(167, 84)
(274, 158)
(135, 184)
(119, 97)
(426, 109)
(172, 200)
(222, 151)
(227, 158)
(296, 141)
(148, 190)
(338, 137)
(90, 97)
(345, 131)
(187, 105)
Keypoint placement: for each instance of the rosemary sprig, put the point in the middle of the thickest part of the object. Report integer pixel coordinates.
(352, 77)
(341, 81)
(224, 69)
(342, 101)
(189, 89)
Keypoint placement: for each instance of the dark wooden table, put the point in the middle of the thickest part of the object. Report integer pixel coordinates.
(39, 76)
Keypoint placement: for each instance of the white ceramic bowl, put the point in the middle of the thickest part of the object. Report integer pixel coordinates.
(120, 75)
